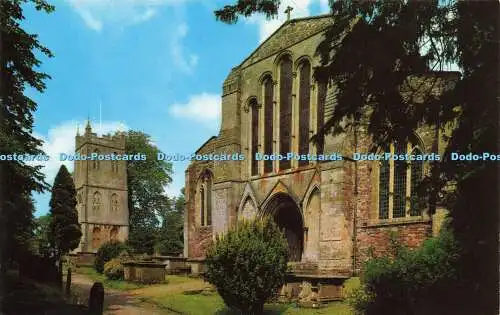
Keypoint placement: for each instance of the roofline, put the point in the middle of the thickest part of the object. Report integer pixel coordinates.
(204, 143)
(321, 16)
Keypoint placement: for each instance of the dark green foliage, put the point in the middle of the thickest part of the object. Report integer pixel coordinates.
(411, 281)
(146, 186)
(42, 235)
(229, 14)
(18, 63)
(369, 53)
(248, 265)
(65, 231)
(107, 252)
(170, 239)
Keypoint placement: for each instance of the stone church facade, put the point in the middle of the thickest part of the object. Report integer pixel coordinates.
(101, 187)
(332, 212)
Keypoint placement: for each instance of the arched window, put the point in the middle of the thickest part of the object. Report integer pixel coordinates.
(268, 122)
(394, 205)
(255, 135)
(285, 74)
(202, 210)
(114, 164)
(417, 168)
(304, 104)
(383, 200)
(205, 198)
(96, 202)
(399, 182)
(320, 119)
(115, 204)
(95, 161)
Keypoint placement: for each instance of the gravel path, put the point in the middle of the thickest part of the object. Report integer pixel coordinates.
(115, 302)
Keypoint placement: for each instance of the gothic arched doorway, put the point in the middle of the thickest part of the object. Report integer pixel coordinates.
(285, 212)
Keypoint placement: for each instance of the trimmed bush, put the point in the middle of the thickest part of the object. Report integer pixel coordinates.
(113, 269)
(107, 252)
(410, 281)
(248, 265)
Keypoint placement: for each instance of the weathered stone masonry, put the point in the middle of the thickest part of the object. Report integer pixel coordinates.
(330, 211)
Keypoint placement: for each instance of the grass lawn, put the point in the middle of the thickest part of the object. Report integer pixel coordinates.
(182, 295)
(193, 296)
(111, 284)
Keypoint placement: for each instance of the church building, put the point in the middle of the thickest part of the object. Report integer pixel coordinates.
(101, 188)
(333, 212)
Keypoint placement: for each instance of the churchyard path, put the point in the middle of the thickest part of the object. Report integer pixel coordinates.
(115, 302)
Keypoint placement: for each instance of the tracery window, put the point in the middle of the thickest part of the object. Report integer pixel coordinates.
(304, 104)
(268, 122)
(395, 198)
(399, 183)
(417, 169)
(285, 74)
(384, 190)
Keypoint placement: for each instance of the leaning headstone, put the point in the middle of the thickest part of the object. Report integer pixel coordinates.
(96, 299)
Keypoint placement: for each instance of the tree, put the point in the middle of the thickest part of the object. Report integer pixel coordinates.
(248, 264)
(171, 238)
(146, 185)
(42, 234)
(370, 52)
(18, 63)
(65, 231)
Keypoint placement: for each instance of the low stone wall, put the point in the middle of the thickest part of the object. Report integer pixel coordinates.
(144, 272)
(174, 265)
(82, 259)
(311, 290)
(197, 266)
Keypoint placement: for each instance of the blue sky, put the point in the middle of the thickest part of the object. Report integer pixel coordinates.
(154, 65)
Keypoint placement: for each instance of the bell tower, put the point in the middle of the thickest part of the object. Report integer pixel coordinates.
(101, 186)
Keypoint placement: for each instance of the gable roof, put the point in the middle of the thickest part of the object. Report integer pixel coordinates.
(288, 34)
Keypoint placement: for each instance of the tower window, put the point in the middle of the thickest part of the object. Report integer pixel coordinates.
(96, 202)
(115, 204)
(114, 164)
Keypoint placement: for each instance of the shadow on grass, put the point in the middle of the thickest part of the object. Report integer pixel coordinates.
(268, 310)
(24, 296)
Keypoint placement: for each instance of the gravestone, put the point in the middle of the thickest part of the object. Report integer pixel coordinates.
(96, 299)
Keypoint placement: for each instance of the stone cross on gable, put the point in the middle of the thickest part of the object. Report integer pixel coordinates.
(288, 10)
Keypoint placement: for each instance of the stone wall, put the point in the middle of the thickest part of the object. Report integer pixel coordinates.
(144, 272)
(376, 238)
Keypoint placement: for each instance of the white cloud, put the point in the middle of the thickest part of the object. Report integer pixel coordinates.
(184, 61)
(61, 139)
(204, 107)
(324, 6)
(97, 13)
